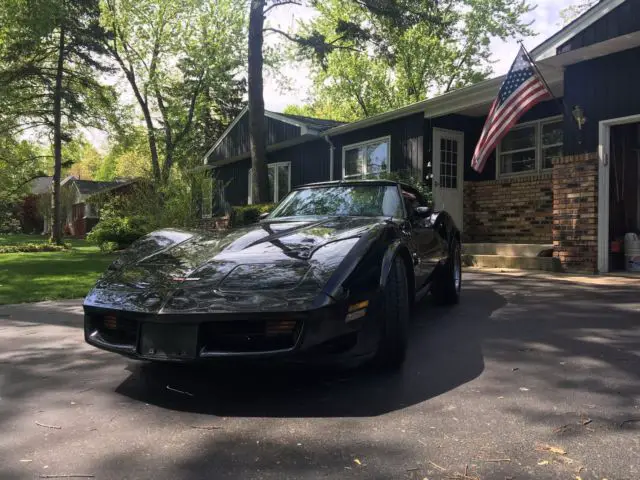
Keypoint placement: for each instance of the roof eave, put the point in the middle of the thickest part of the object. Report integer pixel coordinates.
(270, 148)
(225, 133)
(549, 47)
(433, 107)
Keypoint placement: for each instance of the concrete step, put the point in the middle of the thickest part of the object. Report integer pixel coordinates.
(506, 249)
(548, 264)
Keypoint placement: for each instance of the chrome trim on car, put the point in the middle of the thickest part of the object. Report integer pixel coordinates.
(101, 342)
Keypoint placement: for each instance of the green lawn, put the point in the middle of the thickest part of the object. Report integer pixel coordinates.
(31, 277)
(21, 238)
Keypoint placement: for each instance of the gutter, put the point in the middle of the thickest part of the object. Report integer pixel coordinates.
(331, 150)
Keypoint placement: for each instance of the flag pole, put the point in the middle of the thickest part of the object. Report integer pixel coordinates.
(561, 104)
(539, 73)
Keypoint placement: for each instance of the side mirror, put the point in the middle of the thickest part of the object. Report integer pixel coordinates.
(264, 215)
(423, 212)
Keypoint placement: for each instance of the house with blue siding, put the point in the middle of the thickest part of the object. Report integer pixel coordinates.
(565, 178)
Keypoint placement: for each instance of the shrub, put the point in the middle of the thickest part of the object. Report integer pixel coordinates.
(122, 231)
(109, 247)
(9, 223)
(248, 214)
(412, 179)
(33, 247)
(174, 204)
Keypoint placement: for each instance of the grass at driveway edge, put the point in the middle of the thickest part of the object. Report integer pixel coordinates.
(37, 276)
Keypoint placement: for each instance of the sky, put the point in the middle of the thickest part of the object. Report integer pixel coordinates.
(545, 18)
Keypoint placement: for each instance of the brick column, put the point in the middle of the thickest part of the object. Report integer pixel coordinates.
(575, 212)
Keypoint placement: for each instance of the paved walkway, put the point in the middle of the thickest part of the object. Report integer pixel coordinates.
(523, 364)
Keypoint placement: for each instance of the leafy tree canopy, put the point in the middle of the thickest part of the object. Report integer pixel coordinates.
(570, 13)
(183, 61)
(20, 162)
(370, 56)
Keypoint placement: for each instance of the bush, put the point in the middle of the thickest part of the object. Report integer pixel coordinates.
(412, 179)
(109, 247)
(33, 247)
(9, 223)
(248, 214)
(121, 231)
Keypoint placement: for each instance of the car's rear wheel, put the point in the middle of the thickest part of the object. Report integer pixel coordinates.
(394, 319)
(446, 290)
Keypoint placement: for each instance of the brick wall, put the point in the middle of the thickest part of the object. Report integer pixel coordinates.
(512, 210)
(575, 212)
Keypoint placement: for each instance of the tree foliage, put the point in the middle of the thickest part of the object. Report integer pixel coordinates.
(370, 56)
(183, 62)
(50, 59)
(570, 13)
(20, 162)
(85, 160)
(128, 156)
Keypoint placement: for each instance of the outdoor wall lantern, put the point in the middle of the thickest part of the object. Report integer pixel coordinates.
(578, 116)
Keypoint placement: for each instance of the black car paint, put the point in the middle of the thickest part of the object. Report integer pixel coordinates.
(313, 268)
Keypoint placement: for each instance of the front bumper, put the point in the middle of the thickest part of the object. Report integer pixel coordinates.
(199, 337)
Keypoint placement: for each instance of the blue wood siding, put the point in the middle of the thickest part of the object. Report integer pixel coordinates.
(236, 143)
(606, 87)
(407, 136)
(236, 178)
(623, 19)
(309, 163)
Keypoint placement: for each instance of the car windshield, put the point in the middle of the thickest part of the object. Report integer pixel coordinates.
(342, 200)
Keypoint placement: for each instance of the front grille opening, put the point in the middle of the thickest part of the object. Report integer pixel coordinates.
(116, 330)
(252, 336)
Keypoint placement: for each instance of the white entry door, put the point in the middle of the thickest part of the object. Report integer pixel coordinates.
(448, 172)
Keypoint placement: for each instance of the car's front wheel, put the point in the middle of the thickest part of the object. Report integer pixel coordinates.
(394, 319)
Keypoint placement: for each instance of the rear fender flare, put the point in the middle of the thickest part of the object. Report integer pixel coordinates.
(397, 249)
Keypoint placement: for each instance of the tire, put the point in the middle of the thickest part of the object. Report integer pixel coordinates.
(394, 319)
(446, 290)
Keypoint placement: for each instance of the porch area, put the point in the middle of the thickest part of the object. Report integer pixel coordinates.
(520, 256)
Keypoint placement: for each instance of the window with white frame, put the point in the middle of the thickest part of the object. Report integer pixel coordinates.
(366, 159)
(207, 197)
(279, 181)
(530, 147)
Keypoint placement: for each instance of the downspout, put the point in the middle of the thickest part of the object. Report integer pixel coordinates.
(331, 149)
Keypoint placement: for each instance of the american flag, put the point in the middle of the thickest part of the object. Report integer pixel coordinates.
(521, 90)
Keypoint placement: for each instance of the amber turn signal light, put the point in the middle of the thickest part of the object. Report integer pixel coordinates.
(110, 322)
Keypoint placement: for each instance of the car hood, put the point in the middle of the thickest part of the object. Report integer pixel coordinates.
(268, 266)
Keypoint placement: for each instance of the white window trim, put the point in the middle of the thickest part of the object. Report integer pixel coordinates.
(362, 144)
(538, 147)
(210, 214)
(275, 185)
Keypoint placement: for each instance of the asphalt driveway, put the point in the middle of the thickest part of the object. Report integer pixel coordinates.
(528, 378)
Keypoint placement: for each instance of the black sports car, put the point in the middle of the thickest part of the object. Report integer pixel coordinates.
(331, 271)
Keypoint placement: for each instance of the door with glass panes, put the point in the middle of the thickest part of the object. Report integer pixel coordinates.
(448, 172)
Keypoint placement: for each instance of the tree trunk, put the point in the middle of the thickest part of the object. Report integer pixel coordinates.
(151, 132)
(56, 228)
(153, 146)
(260, 182)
